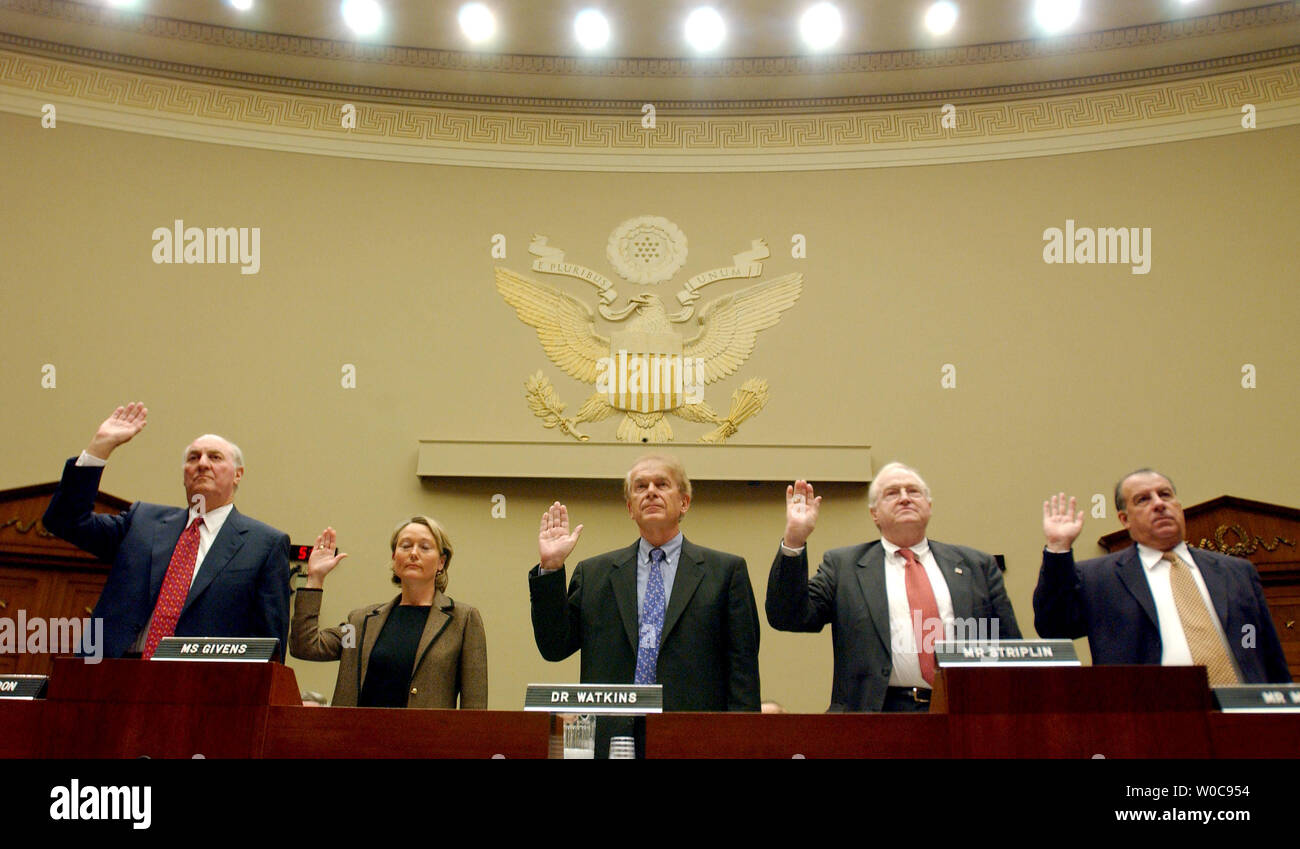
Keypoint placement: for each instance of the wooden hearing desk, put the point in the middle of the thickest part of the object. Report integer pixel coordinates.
(129, 709)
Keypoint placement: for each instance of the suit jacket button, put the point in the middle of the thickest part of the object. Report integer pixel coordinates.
(415, 691)
(884, 671)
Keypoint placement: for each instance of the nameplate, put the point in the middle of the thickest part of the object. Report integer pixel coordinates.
(1006, 653)
(23, 686)
(222, 649)
(595, 698)
(1258, 698)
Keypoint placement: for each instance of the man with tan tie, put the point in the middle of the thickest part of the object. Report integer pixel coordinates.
(1159, 601)
(888, 601)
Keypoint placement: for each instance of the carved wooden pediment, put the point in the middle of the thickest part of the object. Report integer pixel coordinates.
(24, 538)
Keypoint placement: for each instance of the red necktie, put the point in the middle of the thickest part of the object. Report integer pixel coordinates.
(920, 597)
(175, 587)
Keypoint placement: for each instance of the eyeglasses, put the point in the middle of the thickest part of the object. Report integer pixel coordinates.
(896, 492)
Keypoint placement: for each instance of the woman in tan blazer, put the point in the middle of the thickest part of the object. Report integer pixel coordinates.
(419, 650)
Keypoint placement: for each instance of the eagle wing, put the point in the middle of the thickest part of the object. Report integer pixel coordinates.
(730, 325)
(566, 326)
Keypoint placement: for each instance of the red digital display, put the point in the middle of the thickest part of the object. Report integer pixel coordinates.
(300, 553)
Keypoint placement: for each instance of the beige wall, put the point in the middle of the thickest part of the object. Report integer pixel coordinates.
(1066, 375)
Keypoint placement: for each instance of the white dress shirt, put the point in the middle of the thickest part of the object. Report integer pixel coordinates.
(902, 633)
(1173, 642)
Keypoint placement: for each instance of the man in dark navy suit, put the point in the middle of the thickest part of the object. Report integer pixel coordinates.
(1159, 601)
(204, 570)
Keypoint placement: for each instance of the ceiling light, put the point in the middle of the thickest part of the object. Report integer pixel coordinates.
(1056, 15)
(821, 26)
(591, 28)
(477, 22)
(242, 5)
(362, 16)
(940, 17)
(705, 29)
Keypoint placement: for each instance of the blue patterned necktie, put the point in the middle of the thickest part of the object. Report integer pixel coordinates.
(652, 621)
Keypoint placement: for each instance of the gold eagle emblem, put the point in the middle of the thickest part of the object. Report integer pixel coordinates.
(657, 362)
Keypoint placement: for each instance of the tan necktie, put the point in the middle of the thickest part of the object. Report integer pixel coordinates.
(1202, 634)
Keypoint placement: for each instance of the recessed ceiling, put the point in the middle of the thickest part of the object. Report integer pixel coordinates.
(642, 29)
(421, 53)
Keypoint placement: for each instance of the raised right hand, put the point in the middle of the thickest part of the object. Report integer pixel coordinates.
(554, 542)
(1062, 524)
(801, 510)
(118, 428)
(322, 560)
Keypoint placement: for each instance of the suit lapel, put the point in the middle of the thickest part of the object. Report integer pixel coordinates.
(1216, 584)
(956, 574)
(871, 582)
(1133, 577)
(622, 579)
(439, 616)
(222, 551)
(690, 571)
(166, 534)
(371, 624)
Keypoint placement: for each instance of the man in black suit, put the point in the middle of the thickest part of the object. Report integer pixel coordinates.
(1159, 601)
(888, 601)
(663, 610)
(205, 571)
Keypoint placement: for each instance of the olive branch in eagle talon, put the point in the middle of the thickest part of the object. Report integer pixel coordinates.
(548, 407)
(725, 332)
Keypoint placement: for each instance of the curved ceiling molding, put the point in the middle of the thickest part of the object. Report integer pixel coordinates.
(702, 106)
(198, 79)
(1048, 124)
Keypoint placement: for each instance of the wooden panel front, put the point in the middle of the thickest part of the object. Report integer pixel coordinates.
(319, 732)
(24, 593)
(1254, 735)
(1081, 735)
(134, 730)
(22, 725)
(77, 593)
(1076, 712)
(758, 735)
(1284, 604)
(174, 682)
(42, 575)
